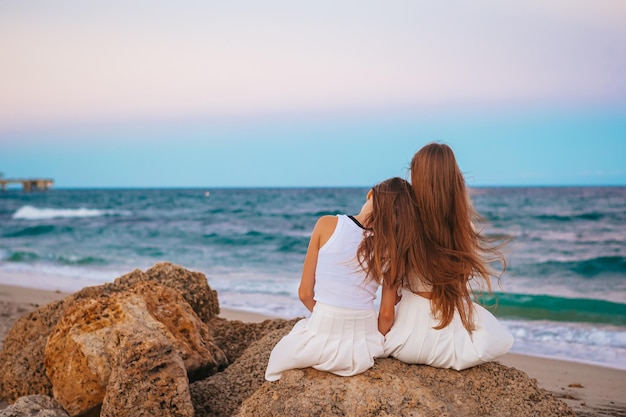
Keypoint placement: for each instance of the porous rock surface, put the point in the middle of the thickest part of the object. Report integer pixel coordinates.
(34, 406)
(221, 394)
(22, 356)
(140, 344)
(392, 388)
(234, 336)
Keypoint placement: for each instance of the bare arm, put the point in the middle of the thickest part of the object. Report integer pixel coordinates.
(386, 314)
(322, 231)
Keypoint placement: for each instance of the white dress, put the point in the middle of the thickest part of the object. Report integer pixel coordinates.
(412, 338)
(341, 335)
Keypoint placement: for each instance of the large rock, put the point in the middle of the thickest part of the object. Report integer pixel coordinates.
(221, 394)
(34, 406)
(129, 351)
(389, 388)
(234, 336)
(192, 285)
(147, 379)
(22, 355)
(392, 388)
(23, 372)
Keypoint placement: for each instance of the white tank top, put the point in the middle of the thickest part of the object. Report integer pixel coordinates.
(339, 280)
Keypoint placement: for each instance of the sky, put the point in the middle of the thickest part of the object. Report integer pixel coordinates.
(283, 93)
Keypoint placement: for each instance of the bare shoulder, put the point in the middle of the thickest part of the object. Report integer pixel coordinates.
(324, 228)
(326, 222)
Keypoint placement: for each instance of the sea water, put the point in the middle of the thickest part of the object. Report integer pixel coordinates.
(563, 294)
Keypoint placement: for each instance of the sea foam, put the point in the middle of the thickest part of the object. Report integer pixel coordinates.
(34, 213)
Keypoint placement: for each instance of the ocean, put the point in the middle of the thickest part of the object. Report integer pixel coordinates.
(563, 295)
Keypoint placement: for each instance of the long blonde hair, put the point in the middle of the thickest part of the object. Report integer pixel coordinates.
(451, 248)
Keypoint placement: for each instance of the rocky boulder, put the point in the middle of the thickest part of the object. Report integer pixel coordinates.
(22, 355)
(128, 350)
(234, 336)
(134, 343)
(392, 388)
(34, 406)
(221, 394)
(191, 284)
(23, 372)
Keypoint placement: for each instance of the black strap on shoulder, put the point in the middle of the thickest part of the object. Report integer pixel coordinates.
(356, 221)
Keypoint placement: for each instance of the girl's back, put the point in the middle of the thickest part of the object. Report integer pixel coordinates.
(444, 327)
(339, 280)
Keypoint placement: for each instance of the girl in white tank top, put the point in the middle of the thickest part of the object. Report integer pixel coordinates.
(341, 335)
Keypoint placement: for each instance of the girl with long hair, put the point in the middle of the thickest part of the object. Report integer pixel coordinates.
(341, 335)
(436, 322)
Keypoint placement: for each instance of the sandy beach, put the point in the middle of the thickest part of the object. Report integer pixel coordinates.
(590, 390)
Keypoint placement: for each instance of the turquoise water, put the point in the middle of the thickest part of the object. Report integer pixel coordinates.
(563, 295)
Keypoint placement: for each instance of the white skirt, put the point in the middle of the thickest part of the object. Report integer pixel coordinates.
(412, 338)
(343, 341)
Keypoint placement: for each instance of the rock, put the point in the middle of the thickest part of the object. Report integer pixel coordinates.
(22, 355)
(10, 312)
(23, 372)
(143, 335)
(221, 394)
(233, 336)
(192, 285)
(147, 338)
(147, 379)
(34, 406)
(392, 388)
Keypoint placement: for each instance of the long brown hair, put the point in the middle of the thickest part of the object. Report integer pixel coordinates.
(384, 252)
(451, 248)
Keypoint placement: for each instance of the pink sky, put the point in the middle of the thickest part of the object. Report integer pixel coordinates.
(70, 62)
